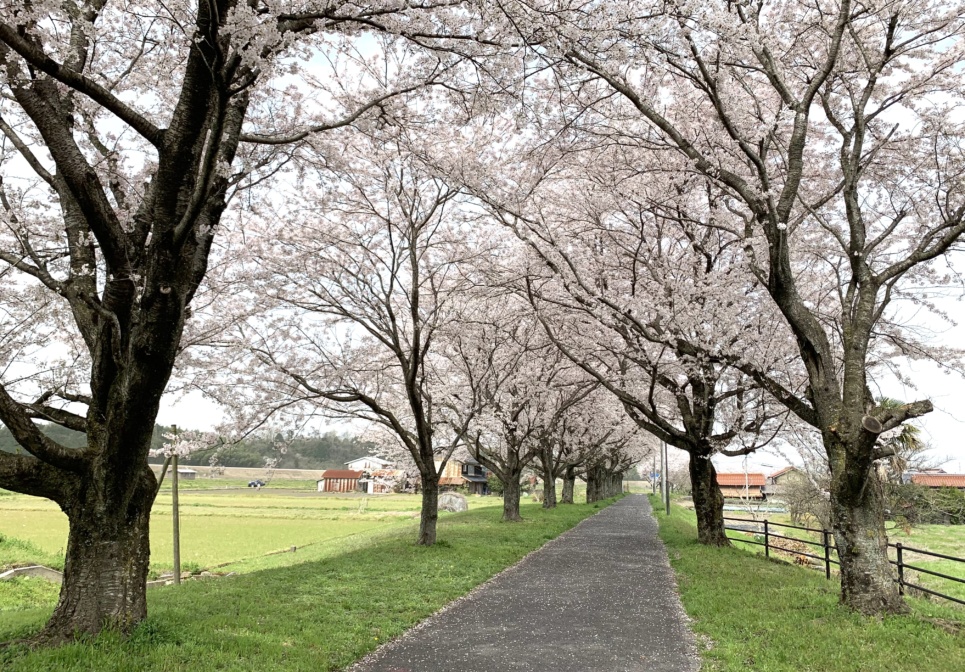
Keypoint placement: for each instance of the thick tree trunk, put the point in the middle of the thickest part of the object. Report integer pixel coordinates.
(549, 493)
(594, 484)
(569, 485)
(511, 497)
(548, 474)
(867, 581)
(708, 501)
(105, 570)
(430, 511)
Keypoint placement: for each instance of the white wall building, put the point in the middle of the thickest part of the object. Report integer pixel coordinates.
(368, 463)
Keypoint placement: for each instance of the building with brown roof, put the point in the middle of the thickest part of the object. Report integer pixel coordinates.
(464, 472)
(741, 485)
(777, 481)
(938, 480)
(339, 480)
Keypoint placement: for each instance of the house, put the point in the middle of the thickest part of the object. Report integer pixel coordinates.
(378, 477)
(934, 480)
(381, 481)
(733, 485)
(339, 480)
(466, 473)
(777, 481)
(186, 474)
(368, 463)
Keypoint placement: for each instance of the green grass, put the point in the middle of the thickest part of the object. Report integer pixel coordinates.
(322, 613)
(206, 541)
(26, 593)
(751, 613)
(216, 527)
(235, 483)
(946, 539)
(16, 552)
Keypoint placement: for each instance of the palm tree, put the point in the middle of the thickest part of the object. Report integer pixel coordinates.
(902, 449)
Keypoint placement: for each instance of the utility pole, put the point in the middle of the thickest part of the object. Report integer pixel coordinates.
(174, 506)
(747, 490)
(663, 478)
(653, 476)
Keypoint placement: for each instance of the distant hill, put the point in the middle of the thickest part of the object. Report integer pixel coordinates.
(325, 451)
(61, 435)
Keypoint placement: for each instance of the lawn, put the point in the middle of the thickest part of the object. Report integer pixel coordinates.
(216, 527)
(764, 615)
(221, 530)
(945, 539)
(317, 609)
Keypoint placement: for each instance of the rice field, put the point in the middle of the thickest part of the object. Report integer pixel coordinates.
(218, 526)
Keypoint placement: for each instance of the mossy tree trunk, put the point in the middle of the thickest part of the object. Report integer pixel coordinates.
(708, 500)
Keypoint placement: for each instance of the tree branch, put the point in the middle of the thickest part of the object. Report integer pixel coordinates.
(17, 420)
(262, 139)
(35, 56)
(30, 476)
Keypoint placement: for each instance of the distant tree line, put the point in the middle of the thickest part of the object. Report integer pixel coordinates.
(324, 451)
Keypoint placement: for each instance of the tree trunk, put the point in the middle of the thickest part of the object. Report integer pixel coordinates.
(708, 501)
(548, 474)
(430, 511)
(511, 497)
(549, 493)
(867, 582)
(594, 484)
(569, 485)
(105, 569)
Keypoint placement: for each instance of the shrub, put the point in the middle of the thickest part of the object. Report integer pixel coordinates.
(916, 505)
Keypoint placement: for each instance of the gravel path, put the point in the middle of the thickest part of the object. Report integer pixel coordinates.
(600, 598)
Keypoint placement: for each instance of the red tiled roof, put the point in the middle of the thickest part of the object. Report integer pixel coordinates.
(452, 480)
(753, 480)
(939, 480)
(341, 473)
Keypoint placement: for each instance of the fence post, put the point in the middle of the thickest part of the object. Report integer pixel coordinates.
(827, 555)
(767, 545)
(901, 571)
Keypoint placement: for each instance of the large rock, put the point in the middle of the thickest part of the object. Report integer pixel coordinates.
(453, 501)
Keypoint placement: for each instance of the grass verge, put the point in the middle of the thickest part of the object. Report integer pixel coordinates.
(320, 614)
(751, 613)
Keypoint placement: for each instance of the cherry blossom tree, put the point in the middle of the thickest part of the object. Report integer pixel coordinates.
(523, 388)
(126, 129)
(636, 301)
(360, 293)
(594, 439)
(833, 130)
(605, 470)
(641, 290)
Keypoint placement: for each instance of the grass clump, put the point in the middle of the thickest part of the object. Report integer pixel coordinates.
(15, 552)
(322, 613)
(751, 613)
